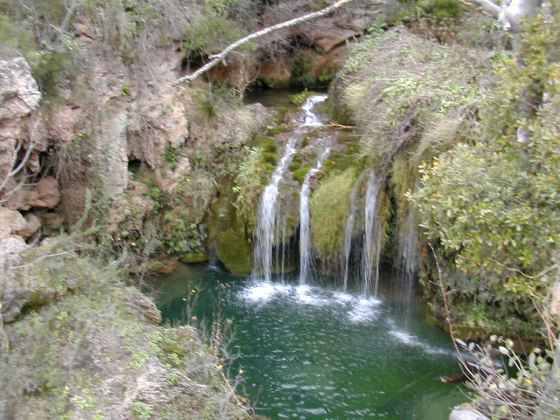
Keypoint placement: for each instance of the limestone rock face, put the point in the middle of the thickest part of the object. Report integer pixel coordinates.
(157, 122)
(45, 194)
(19, 93)
(19, 98)
(10, 250)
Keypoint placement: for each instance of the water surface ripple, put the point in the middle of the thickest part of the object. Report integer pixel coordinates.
(310, 352)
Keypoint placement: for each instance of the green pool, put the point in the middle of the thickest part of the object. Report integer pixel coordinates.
(314, 352)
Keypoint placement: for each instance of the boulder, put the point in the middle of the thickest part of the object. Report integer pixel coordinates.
(11, 222)
(19, 93)
(10, 249)
(46, 194)
(32, 226)
(52, 221)
(42, 283)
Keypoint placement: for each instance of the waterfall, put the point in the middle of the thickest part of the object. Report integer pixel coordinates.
(349, 230)
(271, 227)
(310, 118)
(408, 255)
(372, 236)
(304, 223)
(268, 221)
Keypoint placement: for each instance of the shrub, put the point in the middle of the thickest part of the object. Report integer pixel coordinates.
(493, 205)
(210, 34)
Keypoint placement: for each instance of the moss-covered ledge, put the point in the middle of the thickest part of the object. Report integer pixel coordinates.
(96, 349)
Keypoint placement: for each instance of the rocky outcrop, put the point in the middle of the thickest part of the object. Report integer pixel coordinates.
(99, 352)
(305, 55)
(45, 194)
(19, 98)
(11, 222)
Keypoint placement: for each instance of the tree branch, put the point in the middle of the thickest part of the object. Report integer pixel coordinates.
(216, 59)
(489, 6)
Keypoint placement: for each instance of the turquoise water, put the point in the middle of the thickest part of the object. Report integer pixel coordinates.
(313, 352)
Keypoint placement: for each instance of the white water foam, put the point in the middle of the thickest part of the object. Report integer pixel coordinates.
(311, 119)
(364, 309)
(263, 292)
(413, 341)
(307, 295)
(360, 309)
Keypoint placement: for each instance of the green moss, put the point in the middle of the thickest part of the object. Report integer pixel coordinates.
(330, 205)
(171, 156)
(210, 33)
(302, 71)
(300, 173)
(299, 98)
(397, 86)
(235, 252)
(195, 258)
(104, 329)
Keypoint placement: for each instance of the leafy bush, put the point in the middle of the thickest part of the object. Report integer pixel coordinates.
(437, 11)
(214, 100)
(210, 34)
(493, 205)
(48, 67)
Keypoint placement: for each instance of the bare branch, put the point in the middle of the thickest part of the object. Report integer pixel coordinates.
(218, 58)
(488, 6)
(18, 168)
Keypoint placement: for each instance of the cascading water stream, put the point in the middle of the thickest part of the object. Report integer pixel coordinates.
(305, 258)
(372, 236)
(270, 231)
(349, 230)
(267, 220)
(311, 119)
(409, 257)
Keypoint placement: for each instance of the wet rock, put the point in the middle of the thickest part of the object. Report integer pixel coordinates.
(195, 258)
(163, 265)
(234, 251)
